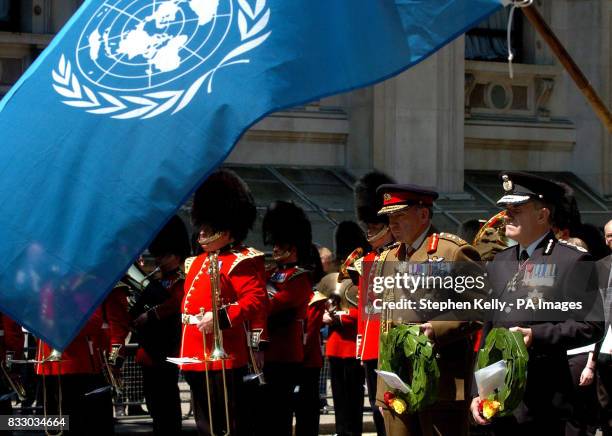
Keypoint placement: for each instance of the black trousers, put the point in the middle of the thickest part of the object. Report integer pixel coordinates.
(277, 415)
(370, 375)
(347, 380)
(508, 426)
(163, 398)
(89, 414)
(308, 402)
(582, 421)
(5, 409)
(604, 392)
(235, 401)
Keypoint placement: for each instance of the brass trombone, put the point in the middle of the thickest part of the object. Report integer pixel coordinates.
(54, 356)
(217, 353)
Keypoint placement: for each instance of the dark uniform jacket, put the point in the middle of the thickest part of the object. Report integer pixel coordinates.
(556, 271)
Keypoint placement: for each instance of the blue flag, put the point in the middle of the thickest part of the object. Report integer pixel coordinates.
(135, 102)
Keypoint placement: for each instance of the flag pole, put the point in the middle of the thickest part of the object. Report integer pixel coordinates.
(571, 67)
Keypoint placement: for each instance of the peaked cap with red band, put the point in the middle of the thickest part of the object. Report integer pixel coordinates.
(398, 197)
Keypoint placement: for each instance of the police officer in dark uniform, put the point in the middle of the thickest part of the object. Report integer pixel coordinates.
(541, 269)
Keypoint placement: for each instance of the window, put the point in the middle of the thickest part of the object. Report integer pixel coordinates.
(9, 15)
(488, 40)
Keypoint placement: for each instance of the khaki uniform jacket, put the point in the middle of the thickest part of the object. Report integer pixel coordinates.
(453, 338)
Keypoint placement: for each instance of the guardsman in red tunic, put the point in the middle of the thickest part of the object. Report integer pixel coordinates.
(81, 379)
(289, 285)
(346, 374)
(223, 211)
(11, 347)
(158, 327)
(367, 204)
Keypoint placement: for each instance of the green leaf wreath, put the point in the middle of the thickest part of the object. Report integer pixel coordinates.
(410, 355)
(502, 344)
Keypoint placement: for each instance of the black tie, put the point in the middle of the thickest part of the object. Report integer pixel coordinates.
(523, 257)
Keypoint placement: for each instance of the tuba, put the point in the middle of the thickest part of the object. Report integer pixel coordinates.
(218, 352)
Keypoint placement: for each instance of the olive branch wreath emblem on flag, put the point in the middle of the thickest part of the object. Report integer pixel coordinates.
(252, 25)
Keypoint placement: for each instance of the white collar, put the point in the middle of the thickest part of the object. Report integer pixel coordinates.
(531, 248)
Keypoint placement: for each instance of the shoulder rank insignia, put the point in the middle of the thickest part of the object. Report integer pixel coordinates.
(569, 244)
(549, 247)
(453, 238)
(188, 263)
(432, 246)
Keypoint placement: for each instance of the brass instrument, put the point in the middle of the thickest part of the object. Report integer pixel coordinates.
(54, 356)
(14, 384)
(217, 353)
(255, 372)
(491, 238)
(115, 383)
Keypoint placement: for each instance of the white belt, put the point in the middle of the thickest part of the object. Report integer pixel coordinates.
(191, 319)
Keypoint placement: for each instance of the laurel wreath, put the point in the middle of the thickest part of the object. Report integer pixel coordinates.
(409, 354)
(252, 22)
(502, 344)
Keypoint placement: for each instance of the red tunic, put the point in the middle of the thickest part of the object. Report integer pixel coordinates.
(11, 338)
(81, 356)
(289, 290)
(314, 320)
(116, 319)
(242, 286)
(368, 329)
(342, 336)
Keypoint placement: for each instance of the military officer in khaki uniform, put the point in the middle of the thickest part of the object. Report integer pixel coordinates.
(409, 209)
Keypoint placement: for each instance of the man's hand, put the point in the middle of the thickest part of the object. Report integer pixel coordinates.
(474, 408)
(328, 318)
(527, 334)
(587, 376)
(206, 323)
(427, 330)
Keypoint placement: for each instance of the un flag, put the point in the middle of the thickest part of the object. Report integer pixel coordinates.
(136, 101)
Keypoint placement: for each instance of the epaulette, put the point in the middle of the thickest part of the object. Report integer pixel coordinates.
(245, 253)
(188, 263)
(282, 276)
(453, 238)
(389, 249)
(569, 244)
(316, 297)
(358, 265)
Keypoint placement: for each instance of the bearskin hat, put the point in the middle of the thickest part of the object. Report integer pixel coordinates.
(287, 223)
(367, 202)
(567, 214)
(172, 239)
(348, 237)
(225, 203)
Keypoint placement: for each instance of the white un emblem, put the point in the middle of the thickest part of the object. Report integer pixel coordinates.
(131, 51)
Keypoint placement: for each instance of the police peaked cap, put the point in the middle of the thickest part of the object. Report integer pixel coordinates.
(225, 203)
(367, 201)
(172, 239)
(397, 197)
(287, 223)
(520, 187)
